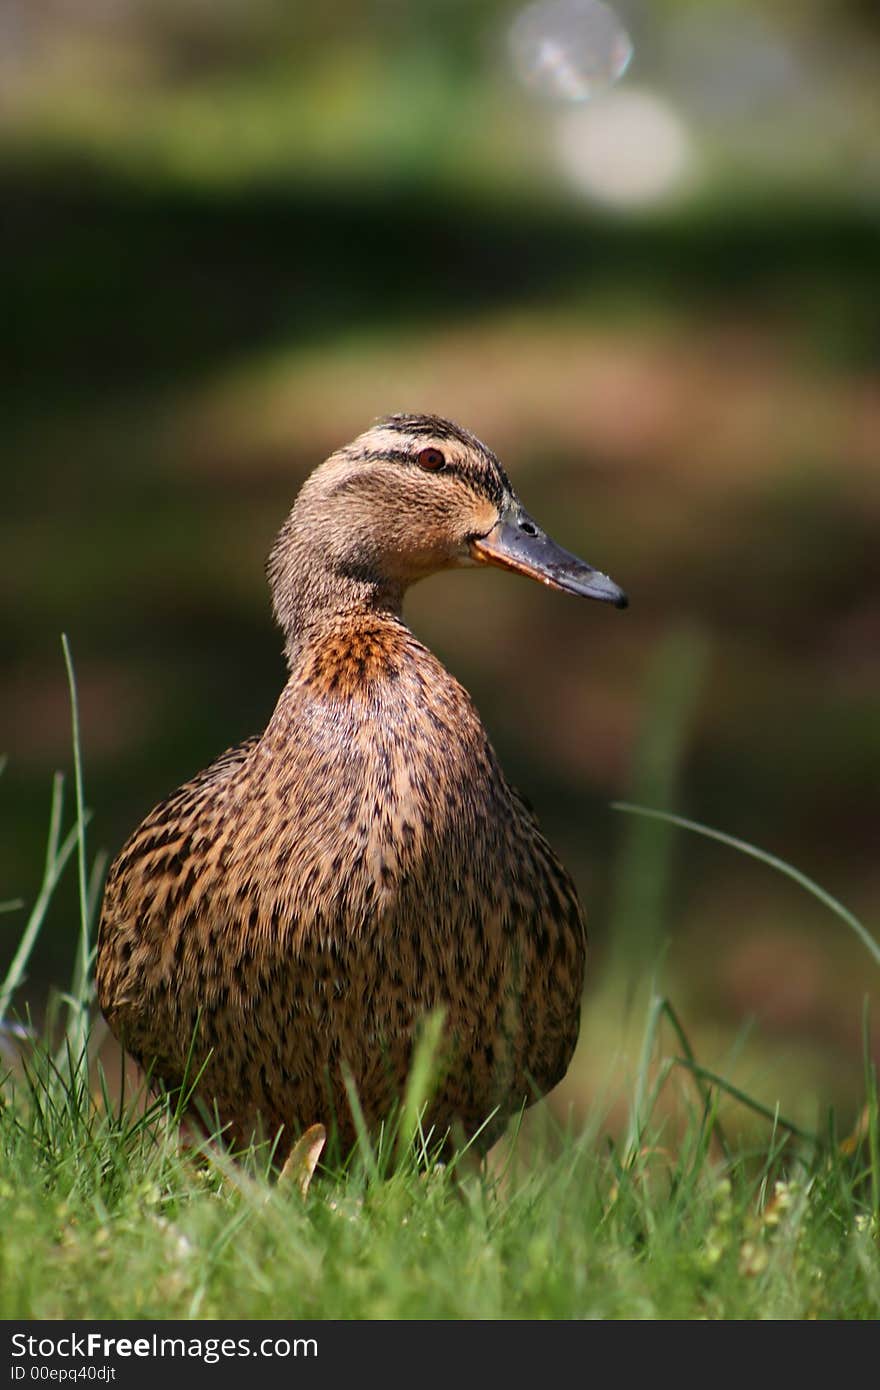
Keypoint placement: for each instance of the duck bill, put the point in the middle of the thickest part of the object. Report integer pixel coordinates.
(516, 542)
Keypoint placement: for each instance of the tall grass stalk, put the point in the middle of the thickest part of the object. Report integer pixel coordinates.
(872, 1117)
(780, 865)
(643, 873)
(57, 856)
(81, 992)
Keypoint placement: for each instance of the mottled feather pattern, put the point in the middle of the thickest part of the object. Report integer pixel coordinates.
(301, 904)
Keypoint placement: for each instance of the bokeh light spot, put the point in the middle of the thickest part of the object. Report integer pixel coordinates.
(569, 49)
(630, 150)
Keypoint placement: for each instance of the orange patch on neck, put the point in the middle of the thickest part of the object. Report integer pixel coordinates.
(346, 663)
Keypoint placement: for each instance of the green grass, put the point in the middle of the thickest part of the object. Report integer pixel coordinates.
(103, 1214)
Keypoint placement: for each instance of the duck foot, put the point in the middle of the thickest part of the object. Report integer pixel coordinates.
(301, 1162)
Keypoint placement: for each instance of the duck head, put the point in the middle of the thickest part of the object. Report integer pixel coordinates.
(413, 495)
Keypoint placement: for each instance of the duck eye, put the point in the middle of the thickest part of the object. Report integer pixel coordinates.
(432, 460)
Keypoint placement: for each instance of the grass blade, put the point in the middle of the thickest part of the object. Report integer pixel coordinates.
(56, 859)
(646, 859)
(421, 1083)
(871, 1108)
(367, 1153)
(744, 1099)
(780, 865)
(637, 1116)
(79, 1020)
(705, 1094)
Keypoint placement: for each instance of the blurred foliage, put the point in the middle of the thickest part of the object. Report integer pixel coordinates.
(234, 233)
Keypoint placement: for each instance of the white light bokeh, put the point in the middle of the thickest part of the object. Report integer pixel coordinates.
(630, 150)
(569, 49)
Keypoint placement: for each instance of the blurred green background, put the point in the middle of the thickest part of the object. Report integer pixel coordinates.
(235, 232)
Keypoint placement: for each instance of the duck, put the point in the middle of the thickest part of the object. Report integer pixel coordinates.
(275, 933)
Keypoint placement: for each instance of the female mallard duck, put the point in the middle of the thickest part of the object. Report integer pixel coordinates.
(285, 919)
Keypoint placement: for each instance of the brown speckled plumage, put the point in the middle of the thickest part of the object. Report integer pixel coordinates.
(299, 905)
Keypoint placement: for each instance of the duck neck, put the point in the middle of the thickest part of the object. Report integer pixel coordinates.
(322, 602)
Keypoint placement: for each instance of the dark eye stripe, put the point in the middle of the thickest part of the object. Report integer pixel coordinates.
(377, 455)
(491, 481)
(399, 456)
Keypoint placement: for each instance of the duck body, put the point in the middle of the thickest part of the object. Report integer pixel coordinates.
(389, 871)
(279, 927)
